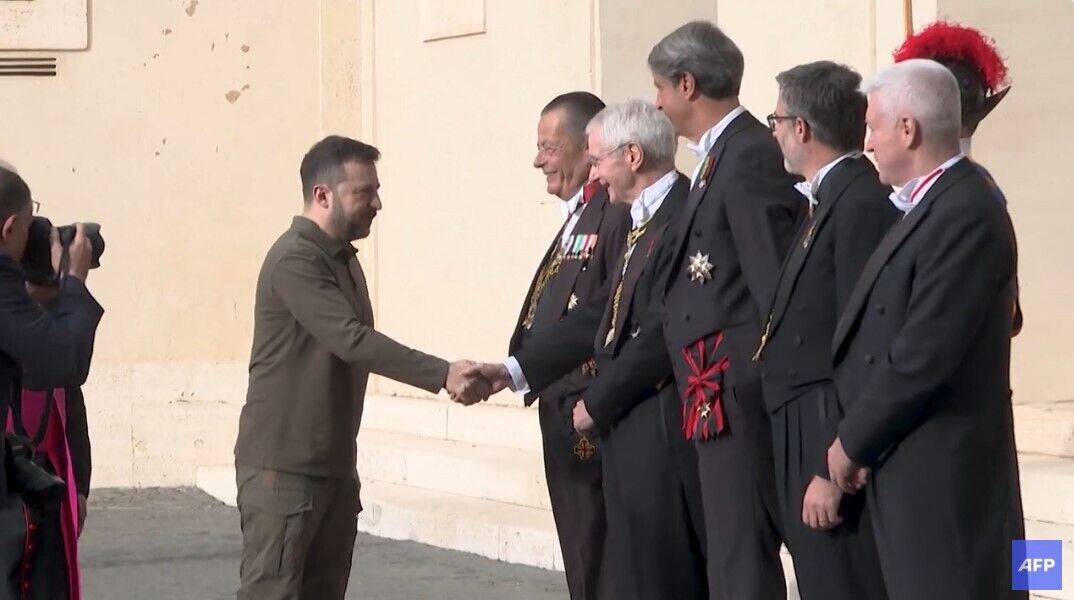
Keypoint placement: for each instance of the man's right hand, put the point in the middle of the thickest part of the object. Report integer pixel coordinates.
(820, 505)
(495, 374)
(464, 386)
(79, 253)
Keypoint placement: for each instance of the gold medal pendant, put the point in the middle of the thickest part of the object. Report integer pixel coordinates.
(809, 235)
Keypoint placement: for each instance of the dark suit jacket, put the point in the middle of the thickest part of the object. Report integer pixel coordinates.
(582, 333)
(76, 424)
(922, 358)
(580, 279)
(53, 346)
(852, 215)
(744, 218)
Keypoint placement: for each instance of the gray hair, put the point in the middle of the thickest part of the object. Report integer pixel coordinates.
(923, 89)
(639, 122)
(702, 50)
(826, 96)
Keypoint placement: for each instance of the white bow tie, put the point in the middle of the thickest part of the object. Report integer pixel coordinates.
(696, 149)
(806, 190)
(569, 207)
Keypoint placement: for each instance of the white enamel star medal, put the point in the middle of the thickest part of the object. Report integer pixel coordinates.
(700, 268)
(573, 302)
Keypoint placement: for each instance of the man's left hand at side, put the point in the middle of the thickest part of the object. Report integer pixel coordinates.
(583, 421)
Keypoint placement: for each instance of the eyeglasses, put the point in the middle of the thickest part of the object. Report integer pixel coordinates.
(774, 118)
(596, 160)
(35, 206)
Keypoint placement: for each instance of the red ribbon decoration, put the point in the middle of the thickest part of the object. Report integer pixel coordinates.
(589, 190)
(704, 390)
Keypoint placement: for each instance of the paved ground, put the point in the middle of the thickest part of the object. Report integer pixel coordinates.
(180, 544)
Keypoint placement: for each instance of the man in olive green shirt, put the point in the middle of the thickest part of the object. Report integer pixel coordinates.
(313, 350)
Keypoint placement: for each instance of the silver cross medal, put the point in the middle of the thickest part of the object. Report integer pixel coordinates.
(700, 268)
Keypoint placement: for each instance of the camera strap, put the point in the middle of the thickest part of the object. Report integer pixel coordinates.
(16, 413)
(65, 262)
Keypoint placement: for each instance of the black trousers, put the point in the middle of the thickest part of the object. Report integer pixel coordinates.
(738, 489)
(840, 563)
(576, 488)
(655, 522)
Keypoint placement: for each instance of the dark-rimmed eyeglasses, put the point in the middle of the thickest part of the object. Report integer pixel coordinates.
(774, 118)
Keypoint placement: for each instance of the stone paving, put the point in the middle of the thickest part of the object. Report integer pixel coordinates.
(181, 544)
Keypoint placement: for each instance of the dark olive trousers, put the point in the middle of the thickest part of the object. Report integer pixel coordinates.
(297, 534)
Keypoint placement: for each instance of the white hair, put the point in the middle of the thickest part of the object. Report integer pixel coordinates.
(639, 122)
(924, 90)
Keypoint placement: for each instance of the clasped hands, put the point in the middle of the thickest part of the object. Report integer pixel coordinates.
(820, 504)
(470, 382)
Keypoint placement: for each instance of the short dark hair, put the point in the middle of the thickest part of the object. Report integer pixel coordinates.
(826, 95)
(579, 109)
(323, 164)
(14, 193)
(702, 50)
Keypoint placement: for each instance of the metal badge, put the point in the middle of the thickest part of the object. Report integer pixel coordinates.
(700, 268)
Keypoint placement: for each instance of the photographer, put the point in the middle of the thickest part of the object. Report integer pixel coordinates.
(52, 349)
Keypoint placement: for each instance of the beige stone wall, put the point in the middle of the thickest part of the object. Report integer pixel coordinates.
(181, 128)
(180, 131)
(1026, 143)
(466, 218)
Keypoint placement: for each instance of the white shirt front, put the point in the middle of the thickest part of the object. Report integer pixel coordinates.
(645, 206)
(909, 195)
(809, 189)
(572, 211)
(708, 140)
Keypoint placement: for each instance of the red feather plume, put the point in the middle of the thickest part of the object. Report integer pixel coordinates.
(951, 41)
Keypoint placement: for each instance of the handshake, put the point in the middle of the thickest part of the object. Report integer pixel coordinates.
(470, 382)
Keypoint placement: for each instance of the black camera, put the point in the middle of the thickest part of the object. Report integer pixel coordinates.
(32, 482)
(37, 260)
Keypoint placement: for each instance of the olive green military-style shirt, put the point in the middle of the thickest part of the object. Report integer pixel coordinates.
(314, 348)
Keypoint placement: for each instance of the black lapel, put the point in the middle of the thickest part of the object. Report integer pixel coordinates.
(699, 192)
(832, 188)
(562, 285)
(891, 242)
(661, 221)
(516, 337)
